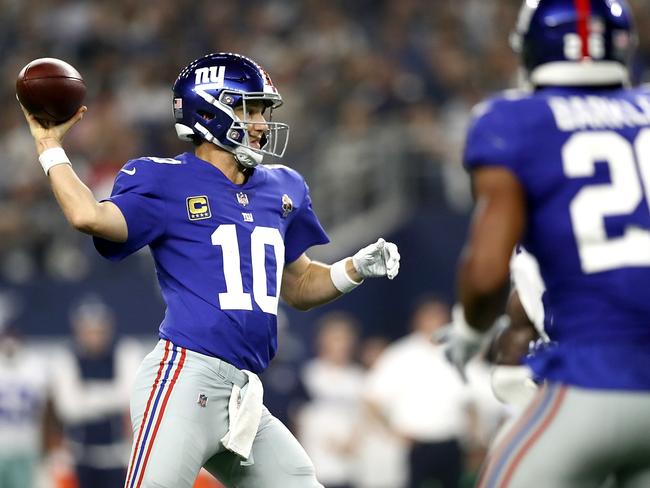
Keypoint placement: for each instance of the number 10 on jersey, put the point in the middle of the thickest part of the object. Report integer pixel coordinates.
(235, 298)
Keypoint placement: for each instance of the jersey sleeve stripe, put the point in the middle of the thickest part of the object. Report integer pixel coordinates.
(162, 412)
(146, 411)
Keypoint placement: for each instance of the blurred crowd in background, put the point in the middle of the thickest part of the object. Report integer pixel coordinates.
(378, 94)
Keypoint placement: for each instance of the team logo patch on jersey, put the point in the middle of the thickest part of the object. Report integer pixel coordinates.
(242, 198)
(248, 217)
(287, 205)
(202, 401)
(198, 208)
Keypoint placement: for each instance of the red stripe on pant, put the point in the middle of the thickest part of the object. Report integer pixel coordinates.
(146, 411)
(160, 415)
(540, 430)
(499, 450)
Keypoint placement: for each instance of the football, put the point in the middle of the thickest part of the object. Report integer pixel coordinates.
(50, 89)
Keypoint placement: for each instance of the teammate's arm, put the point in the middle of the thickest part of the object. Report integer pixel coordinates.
(511, 380)
(513, 342)
(81, 209)
(497, 225)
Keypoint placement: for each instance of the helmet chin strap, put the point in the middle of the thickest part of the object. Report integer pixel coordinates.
(247, 157)
(244, 154)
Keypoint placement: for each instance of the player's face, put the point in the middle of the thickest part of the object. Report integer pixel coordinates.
(254, 116)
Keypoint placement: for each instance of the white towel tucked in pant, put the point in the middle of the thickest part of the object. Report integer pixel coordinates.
(245, 412)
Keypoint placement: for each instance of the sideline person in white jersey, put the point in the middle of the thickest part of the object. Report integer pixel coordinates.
(23, 397)
(563, 170)
(228, 236)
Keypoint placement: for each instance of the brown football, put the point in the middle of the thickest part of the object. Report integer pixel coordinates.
(50, 89)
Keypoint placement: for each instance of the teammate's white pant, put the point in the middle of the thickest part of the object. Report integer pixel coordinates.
(571, 437)
(179, 412)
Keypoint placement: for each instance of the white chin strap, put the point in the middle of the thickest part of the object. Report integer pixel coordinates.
(247, 157)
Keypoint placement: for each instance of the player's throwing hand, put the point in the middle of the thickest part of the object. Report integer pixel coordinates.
(55, 133)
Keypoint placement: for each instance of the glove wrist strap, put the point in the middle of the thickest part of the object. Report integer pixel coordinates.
(53, 157)
(340, 278)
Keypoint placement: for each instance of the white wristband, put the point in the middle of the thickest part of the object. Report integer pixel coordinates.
(340, 278)
(52, 157)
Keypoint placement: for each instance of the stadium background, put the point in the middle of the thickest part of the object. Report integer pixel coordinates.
(377, 93)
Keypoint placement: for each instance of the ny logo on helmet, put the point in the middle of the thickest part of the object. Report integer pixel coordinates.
(212, 75)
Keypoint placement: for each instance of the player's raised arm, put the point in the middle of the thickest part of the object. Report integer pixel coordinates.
(307, 284)
(77, 202)
(497, 225)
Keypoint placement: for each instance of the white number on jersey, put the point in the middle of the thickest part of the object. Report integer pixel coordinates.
(621, 196)
(235, 298)
(573, 46)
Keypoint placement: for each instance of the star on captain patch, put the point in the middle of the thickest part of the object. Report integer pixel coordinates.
(242, 198)
(202, 401)
(287, 205)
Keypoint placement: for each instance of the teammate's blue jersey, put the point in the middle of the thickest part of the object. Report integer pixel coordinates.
(583, 158)
(219, 249)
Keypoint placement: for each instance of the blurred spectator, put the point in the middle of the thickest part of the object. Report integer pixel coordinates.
(284, 391)
(91, 386)
(23, 389)
(380, 455)
(487, 413)
(333, 382)
(422, 399)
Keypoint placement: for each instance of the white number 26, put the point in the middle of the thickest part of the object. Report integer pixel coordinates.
(620, 197)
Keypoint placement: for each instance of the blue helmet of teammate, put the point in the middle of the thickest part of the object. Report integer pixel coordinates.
(206, 93)
(575, 42)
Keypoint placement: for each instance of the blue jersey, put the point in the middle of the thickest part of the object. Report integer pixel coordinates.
(219, 249)
(583, 158)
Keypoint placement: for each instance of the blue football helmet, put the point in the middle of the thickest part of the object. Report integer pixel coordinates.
(206, 93)
(575, 42)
